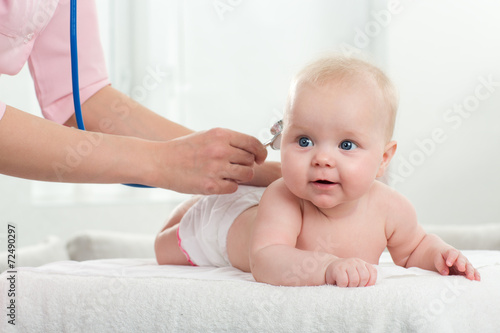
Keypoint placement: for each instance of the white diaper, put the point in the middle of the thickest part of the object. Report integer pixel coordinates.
(202, 232)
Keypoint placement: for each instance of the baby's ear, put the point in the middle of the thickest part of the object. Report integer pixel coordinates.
(389, 151)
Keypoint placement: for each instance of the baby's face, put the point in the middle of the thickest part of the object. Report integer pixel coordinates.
(333, 142)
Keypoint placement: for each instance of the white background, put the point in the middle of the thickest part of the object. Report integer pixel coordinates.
(228, 64)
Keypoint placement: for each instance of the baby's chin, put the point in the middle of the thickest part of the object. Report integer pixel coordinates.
(324, 203)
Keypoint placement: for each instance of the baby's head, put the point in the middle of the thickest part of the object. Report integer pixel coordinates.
(335, 71)
(337, 133)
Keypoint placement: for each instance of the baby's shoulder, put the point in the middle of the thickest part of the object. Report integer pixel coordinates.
(278, 187)
(395, 205)
(385, 193)
(278, 204)
(278, 191)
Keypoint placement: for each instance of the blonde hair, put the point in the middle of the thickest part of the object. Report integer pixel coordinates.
(347, 70)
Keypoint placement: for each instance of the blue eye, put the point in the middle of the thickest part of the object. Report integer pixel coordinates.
(305, 142)
(347, 145)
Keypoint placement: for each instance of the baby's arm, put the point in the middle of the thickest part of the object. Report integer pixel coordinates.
(410, 246)
(433, 253)
(275, 259)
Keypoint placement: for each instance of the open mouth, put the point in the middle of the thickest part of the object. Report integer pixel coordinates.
(324, 182)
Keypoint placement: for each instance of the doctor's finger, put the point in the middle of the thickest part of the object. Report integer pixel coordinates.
(237, 173)
(241, 157)
(249, 144)
(226, 186)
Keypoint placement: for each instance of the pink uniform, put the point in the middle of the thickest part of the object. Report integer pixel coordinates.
(37, 31)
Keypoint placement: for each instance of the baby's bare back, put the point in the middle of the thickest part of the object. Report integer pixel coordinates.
(239, 237)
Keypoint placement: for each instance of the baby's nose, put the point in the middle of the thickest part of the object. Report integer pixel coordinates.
(324, 159)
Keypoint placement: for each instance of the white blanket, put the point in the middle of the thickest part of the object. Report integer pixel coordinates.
(136, 295)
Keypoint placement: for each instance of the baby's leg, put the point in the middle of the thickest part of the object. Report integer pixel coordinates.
(166, 244)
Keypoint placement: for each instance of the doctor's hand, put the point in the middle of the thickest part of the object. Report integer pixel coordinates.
(211, 162)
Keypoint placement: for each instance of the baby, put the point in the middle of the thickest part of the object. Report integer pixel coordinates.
(328, 219)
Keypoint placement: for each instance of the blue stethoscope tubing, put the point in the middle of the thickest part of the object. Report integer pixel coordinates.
(74, 66)
(74, 74)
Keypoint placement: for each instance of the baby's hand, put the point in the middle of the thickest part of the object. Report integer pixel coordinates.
(453, 262)
(351, 272)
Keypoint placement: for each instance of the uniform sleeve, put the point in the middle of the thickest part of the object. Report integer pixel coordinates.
(50, 61)
(2, 109)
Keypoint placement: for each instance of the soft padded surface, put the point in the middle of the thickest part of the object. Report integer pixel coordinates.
(136, 295)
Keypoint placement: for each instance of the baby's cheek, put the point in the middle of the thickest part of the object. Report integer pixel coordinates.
(292, 168)
(358, 178)
(292, 179)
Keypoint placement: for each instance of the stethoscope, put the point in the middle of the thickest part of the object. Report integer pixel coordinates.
(275, 141)
(74, 75)
(276, 129)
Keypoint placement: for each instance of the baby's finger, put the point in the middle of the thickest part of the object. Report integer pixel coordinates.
(373, 275)
(364, 275)
(451, 257)
(353, 275)
(477, 276)
(469, 271)
(342, 279)
(440, 264)
(462, 263)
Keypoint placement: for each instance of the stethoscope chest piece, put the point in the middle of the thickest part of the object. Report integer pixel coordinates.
(275, 141)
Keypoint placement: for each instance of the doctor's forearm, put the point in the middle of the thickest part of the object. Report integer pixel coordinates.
(35, 148)
(110, 111)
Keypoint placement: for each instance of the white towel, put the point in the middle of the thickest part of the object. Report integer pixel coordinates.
(136, 295)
